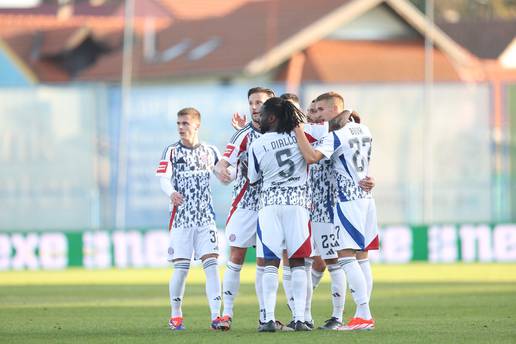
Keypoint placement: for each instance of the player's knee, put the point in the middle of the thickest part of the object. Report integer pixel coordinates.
(295, 262)
(273, 262)
(210, 255)
(260, 261)
(237, 255)
(362, 255)
(327, 262)
(347, 253)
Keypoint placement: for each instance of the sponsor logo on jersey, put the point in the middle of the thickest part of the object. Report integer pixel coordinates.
(229, 150)
(162, 167)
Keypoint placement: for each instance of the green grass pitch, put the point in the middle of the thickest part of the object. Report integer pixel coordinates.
(415, 303)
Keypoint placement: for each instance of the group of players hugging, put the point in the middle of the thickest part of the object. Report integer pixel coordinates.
(302, 195)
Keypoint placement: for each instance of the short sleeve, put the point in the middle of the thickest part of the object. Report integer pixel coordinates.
(216, 154)
(328, 144)
(236, 146)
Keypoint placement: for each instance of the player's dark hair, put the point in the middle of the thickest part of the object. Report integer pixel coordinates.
(290, 96)
(288, 115)
(190, 111)
(267, 91)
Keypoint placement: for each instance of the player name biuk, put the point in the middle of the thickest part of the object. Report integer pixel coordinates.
(356, 131)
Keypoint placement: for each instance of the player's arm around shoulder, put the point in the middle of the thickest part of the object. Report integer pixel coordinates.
(310, 155)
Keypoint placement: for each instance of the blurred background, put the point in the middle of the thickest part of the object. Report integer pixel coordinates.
(89, 91)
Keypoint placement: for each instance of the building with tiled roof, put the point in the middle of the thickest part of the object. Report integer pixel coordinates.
(232, 40)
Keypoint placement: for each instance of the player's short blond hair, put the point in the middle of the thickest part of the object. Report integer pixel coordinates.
(190, 111)
(334, 97)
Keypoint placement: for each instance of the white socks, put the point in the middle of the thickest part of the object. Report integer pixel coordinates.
(176, 286)
(338, 290)
(211, 270)
(299, 292)
(230, 286)
(287, 286)
(316, 277)
(368, 275)
(357, 286)
(309, 289)
(258, 284)
(270, 290)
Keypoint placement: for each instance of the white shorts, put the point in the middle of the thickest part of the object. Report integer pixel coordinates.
(196, 241)
(356, 224)
(326, 240)
(283, 227)
(241, 228)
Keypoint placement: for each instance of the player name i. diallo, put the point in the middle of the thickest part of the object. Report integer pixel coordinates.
(283, 142)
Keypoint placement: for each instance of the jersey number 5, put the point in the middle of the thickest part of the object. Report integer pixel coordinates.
(282, 157)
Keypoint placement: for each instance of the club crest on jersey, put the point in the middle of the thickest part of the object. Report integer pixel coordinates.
(204, 158)
(232, 237)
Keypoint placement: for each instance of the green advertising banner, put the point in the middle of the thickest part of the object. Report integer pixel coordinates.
(148, 247)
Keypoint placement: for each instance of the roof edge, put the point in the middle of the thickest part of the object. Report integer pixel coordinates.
(24, 68)
(308, 35)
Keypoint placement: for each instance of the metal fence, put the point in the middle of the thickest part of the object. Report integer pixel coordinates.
(59, 151)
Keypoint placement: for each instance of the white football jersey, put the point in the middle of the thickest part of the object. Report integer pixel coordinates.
(350, 150)
(276, 159)
(188, 170)
(244, 196)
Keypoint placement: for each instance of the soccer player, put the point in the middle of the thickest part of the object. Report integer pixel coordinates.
(314, 131)
(355, 213)
(283, 218)
(326, 237)
(184, 172)
(243, 215)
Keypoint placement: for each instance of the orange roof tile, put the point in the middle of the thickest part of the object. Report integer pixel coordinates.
(197, 9)
(362, 61)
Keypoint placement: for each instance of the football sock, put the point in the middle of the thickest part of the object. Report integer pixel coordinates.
(211, 269)
(230, 286)
(309, 289)
(287, 286)
(357, 286)
(270, 290)
(338, 290)
(258, 284)
(176, 286)
(316, 277)
(299, 292)
(368, 275)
